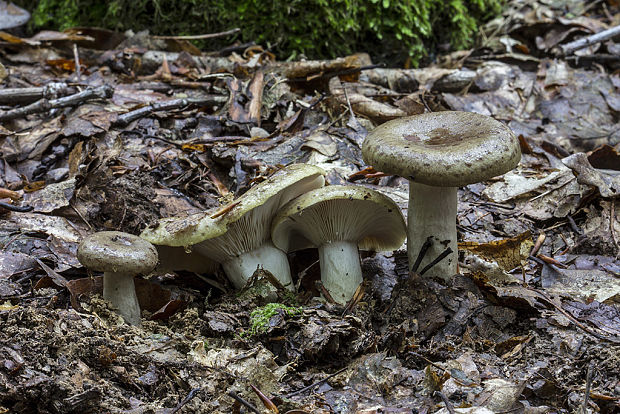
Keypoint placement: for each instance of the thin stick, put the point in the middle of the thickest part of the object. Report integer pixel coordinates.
(439, 258)
(319, 382)
(243, 402)
(185, 400)
(427, 244)
(78, 68)
(449, 406)
(572, 318)
(590, 40)
(44, 105)
(128, 117)
(539, 242)
(202, 36)
(19, 209)
(573, 225)
(584, 407)
(612, 219)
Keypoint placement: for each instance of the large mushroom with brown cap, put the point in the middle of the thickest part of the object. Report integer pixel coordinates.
(439, 152)
(238, 236)
(339, 220)
(120, 256)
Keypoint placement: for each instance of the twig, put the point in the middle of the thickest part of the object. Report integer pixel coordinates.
(427, 244)
(357, 296)
(44, 105)
(76, 57)
(131, 116)
(539, 242)
(185, 400)
(234, 48)
(612, 219)
(264, 399)
(584, 407)
(571, 317)
(304, 273)
(324, 291)
(590, 40)
(202, 36)
(438, 259)
(449, 406)
(319, 382)
(573, 225)
(243, 402)
(11, 207)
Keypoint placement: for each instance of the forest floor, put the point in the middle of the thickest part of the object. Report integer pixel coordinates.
(102, 131)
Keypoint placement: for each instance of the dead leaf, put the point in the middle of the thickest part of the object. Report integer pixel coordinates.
(508, 253)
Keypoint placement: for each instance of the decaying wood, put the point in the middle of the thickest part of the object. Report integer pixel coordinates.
(363, 105)
(43, 105)
(399, 80)
(18, 96)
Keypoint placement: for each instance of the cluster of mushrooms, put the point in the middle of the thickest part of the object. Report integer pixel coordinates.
(293, 210)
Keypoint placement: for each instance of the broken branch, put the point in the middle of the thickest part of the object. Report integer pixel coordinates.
(44, 105)
(590, 40)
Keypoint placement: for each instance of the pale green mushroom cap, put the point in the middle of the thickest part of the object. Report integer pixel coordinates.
(443, 149)
(246, 226)
(339, 213)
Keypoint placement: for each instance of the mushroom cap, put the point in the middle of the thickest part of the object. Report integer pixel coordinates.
(443, 149)
(339, 213)
(115, 251)
(246, 225)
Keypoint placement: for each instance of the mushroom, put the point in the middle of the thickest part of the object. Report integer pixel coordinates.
(120, 256)
(238, 235)
(439, 152)
(339, 220)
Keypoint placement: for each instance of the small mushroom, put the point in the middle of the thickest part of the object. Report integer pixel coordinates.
(339, 220)
(120, 256)
(238, 236)
(439, 152)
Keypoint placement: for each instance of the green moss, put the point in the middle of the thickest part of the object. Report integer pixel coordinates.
(259, 318)
(392, 30)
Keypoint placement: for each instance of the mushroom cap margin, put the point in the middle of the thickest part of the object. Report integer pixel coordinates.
(282, 186)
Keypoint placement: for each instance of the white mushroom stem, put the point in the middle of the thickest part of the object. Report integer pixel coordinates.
(119, 289)
(240, 268)
(432, 213)
(341, 272)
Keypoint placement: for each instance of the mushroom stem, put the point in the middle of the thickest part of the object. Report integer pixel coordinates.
(240, 268)
(432, 212)
(341, 272)
(119, 289)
